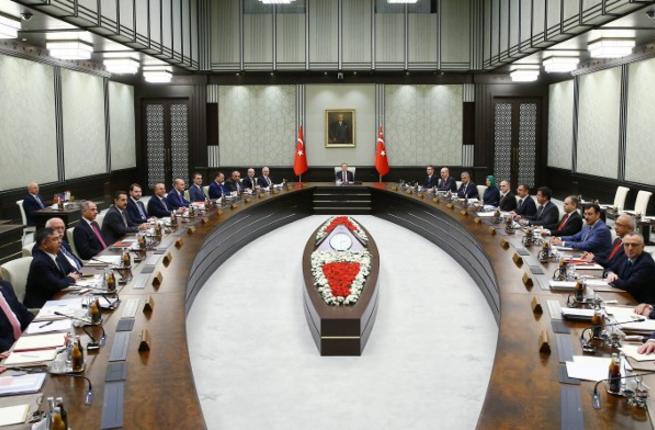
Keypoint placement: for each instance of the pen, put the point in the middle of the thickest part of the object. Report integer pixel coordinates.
(46, 324)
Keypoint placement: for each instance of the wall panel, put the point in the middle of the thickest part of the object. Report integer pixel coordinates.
(225, 47)
(323, 33)
(560, 124)
(455, 32)
(290, 40)
(422, 44)
(356, 26)
(640, 157)
(389, 40)
(121, 125)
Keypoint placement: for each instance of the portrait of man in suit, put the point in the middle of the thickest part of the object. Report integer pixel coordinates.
(340, 127)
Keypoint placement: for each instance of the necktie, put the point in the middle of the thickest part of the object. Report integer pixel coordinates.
(96, 230)
(563, 222)
(586, 234)
(38, 200)
(617, 246)
(540, 211)
(520, 203)
(61, 269)
(268, 181)
(163, 202)
(123, 218)
(345, 178)
(11, 316)
(70, 257)
(141, 211)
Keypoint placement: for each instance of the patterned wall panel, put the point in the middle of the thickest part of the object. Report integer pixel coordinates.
(527, 143)
(503, 141)
(83, 106)
(423, 124)
(180, 141)
(121, 126)
(560, 124)
(598, 123)
(257, 124)
(155, 145)
(27, 123)
(640, 157)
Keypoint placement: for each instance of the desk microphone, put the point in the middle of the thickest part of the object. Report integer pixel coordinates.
(595, 398)
(584, 343)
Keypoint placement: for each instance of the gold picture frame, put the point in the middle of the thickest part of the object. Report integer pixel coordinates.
(340, 128)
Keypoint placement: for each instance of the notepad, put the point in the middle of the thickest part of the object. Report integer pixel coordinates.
(593, 266)
(65, 306)
(588, 368)
(38, 342)
(631, 351)
(485, 214)
(13, 415)
(622, 313)
(562, 285)
(562, 248)
(24, 384)
(646, 326)
(577, 314)
(64, 324)
(28, 358)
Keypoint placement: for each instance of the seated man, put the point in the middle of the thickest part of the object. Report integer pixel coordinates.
(525, 206)
(571, 222)
(507, 199)
(547, 213)
(57, 224)
(115, 224)
(250, 181)
(136, 210)
(175, 198)
(468, 190)
(87, 236)
(14, 316)
(265, 180)
(446, 182)
(216, 188)
(634, 272)
(594, 237)
(431, 179)
(234, 183)
(32, 202)
(623, 225)
(157, 205)
(49, 271)
(196, 193)
(344, 175)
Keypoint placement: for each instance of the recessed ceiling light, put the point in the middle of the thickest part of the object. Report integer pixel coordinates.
(560, 64)
(608, 47)
(157, 74)
(9, 27)
(524, 72)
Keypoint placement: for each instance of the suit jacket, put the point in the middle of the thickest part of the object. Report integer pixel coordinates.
(265, 182)
(448, 185)
(176, 200)
(637, 277)
(507, 202)
(231, 186)
(572, 226)
(527, 207)
(250, 183)
(134, 217)
(23, 316)
(430, 181)
(548, 216)
(196, 193)
(216, 191)
(158, 207)
(596, 238)
(618, 255)
(30, 204)
(45, 278)
(491, 196)
(469, 191)
(86, 242)
(339, 176)
(113, 227)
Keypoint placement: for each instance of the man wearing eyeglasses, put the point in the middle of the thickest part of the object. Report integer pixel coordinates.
(635, 272)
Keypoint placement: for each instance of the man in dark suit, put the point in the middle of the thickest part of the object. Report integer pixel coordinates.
(525, 206)
(57, 224)
(196, 193)
(344, 176)
(468, 190)
(339, 131)
(49, 272)
(634, 272)
(157, 205)
(14, 316)
(175, 198)
(431, 179)
(623, 225)
(594, 237)
(234, 183)
(250, 181)
(216, 188)
(32, 202)
(547, 213)
(115, 224)
(446, 182)
(136, 210)
(571, 222)
(265, 180)
(86, 235)
(507, 200)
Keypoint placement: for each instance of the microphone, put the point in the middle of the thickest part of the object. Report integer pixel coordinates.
(85, 321)
(595, 398)
(585, 343)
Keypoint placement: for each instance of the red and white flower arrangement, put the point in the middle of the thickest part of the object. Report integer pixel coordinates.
(346, 221)
(340, 276)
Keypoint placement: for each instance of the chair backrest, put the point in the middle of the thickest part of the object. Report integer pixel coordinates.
(352, 170)
(205, 189)
(23, 215)
(481, 190)
(71, 240)
(619, 197)
(27, 249)
(187, 195)
(100, 217)
(15, 272)
(459, 184)
(643, 197)
(145, 200)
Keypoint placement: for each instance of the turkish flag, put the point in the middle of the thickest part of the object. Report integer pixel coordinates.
(300, 159)
(381, 160)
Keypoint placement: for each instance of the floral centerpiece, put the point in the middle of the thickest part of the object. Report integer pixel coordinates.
(339, 276)
(346, 221)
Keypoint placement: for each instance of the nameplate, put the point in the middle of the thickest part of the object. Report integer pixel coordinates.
(504, 243)
(463, 212)
(204, 220)
(247, 200)
(113, 401)
(144, 341)
(260, 195)
(394, 188)
(544, 345)
(219, 212)
(119, 348)
(125, 324)
(477, 220)
(492, 231)
(421, 196)
(149, 305)
(536, 306)
(179, 243)
(190, 230)
(436, 200)
(157, 280)
(527, 280)
(130, 307)
(517, 260)
(233, 206)
(116, 371)
(167, 259)
(450, 206)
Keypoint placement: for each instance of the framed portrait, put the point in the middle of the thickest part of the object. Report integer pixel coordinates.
(339, 128)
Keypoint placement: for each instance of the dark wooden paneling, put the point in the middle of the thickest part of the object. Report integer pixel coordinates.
(468, 123)
(212, 124)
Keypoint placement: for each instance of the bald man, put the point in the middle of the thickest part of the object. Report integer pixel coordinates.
(157, 205)
(175, 197)
(623, 225)
(32, 202)
(635, 271)
(234, 183)
(446, 182)
(265, 180)
(57, 224)
(507, 200)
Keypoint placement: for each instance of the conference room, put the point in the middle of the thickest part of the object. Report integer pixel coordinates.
(358, 214)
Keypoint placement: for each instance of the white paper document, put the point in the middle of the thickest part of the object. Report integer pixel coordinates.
(561, 285)
(577, 313)
(630, 350)
(41, 341)
(30, 357)
(622, 313)
(646, 326)
(485, 214)
(588, 368)
(13, 415)
(24, 384)
(64, 306)
(38, 327)
(562, 248)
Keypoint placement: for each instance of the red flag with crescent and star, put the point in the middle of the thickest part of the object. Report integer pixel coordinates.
(300, 158)
(381, 160)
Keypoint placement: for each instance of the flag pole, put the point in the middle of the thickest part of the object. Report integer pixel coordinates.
(379, 178)
(300, 178)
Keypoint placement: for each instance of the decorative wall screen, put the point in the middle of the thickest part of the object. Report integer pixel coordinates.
(155, 145)
(503, 141)
(180, 141)
(527, 143)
